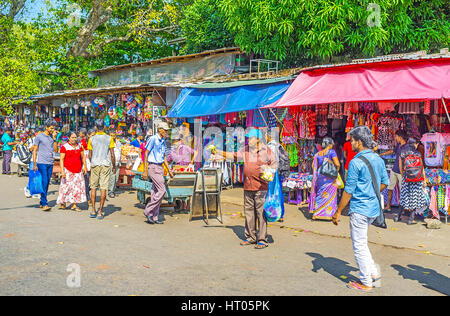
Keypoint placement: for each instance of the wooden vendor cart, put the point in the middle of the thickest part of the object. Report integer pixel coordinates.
(179, 189)
(199, 188)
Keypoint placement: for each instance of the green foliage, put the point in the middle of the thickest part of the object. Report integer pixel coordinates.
(203, 27)
(293, 31)
(17, 61)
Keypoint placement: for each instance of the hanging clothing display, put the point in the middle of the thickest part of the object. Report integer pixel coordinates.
(336, 111)
(409, 108)
(260, 118)
(384, 107)
(435, 145)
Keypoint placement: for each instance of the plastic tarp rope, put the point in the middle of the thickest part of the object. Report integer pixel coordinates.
(195, 102)
(410, 80)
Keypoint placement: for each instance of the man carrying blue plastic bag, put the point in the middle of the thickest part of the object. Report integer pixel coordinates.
(259, 161)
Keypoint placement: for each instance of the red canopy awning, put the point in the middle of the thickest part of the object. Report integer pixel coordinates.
(396, 81)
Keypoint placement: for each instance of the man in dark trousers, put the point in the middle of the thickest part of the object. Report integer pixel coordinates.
(8, 143)
(256, 157)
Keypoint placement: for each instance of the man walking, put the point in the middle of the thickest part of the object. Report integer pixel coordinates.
(155, 154)
(256, 157)
(8, 143)
(396, 177)
(102, 157)
(364, 203)
(45, 146)
(114, 175)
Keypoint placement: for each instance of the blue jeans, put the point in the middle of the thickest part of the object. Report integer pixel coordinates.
(46, 173)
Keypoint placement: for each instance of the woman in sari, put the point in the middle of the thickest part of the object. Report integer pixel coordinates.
(323, 200)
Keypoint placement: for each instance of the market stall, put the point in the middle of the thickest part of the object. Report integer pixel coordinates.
(411, 95)
(220, 106)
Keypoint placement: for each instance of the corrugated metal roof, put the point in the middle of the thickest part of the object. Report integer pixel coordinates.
(238, 83)
(169, 59)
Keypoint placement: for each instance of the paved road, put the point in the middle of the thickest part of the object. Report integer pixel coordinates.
(122, 255)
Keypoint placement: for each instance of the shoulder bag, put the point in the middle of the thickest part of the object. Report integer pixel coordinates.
(328, 168)
(380, 221)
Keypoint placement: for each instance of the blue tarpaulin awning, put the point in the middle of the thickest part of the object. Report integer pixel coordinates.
(196, 102)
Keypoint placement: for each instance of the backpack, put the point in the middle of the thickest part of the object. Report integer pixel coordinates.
(284, 164)
(413, 168)
(24, 153)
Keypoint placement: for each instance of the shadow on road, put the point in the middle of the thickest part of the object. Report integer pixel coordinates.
(238, 231)
(338, 268)
(429, 278)
(110, 209)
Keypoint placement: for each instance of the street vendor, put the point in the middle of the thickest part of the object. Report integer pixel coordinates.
(257, 158)
(181, 154)
(155, 151)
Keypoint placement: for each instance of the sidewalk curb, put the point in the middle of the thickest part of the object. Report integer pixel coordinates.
(282, 226)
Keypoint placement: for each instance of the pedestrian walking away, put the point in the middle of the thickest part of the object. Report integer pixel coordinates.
(102, 157)
(155, 151)
(364, 204)
(323, 200)
(412, 193)
(45, 146)
(114, 174)
(257, 158)
(395, 176)
(73, 168)
(8, 143)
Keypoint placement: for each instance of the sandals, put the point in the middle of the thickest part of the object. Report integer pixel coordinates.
(75, 208)
(358, 286)
(100, 216)
(93, 215)
(261, 245)
(247, 242)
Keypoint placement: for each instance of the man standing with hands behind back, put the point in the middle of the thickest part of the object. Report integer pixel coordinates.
(155, 154)
(45, 146)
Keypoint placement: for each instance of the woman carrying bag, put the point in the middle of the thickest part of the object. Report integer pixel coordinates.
(323, 200)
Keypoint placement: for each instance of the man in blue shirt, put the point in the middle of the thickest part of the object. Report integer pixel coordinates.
(155, 152)
(364, 203)
(8, 144)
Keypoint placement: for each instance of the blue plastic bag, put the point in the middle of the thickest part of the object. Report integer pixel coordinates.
(274, 204)
(35, 182)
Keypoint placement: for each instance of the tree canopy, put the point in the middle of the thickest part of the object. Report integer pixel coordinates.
(57, 49)
(296, 30)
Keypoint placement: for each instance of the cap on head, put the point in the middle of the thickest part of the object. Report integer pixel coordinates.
(254, 133)
(164, 126)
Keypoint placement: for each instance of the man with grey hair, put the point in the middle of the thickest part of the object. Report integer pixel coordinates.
(364, 170)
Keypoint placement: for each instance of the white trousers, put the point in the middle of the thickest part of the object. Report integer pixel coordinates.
(359, 225)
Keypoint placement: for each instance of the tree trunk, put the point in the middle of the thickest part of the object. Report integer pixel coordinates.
(98, 16)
